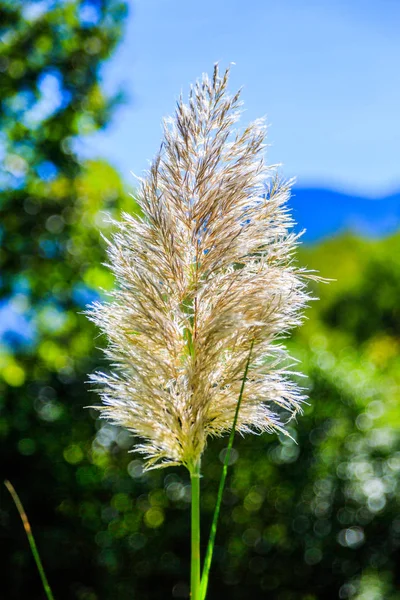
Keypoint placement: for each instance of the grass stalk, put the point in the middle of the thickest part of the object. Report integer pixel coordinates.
(195, 534)
(31, 539)
(213, 531)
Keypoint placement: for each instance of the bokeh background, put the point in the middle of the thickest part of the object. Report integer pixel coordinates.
(83, 87)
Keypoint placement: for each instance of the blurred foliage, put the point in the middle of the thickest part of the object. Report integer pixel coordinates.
(316, 518)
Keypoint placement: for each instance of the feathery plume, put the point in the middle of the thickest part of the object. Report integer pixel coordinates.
(206, 272)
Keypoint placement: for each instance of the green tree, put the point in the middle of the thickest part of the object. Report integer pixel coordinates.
(50, 59)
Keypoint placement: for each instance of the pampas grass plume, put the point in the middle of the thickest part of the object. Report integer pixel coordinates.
(206, 272)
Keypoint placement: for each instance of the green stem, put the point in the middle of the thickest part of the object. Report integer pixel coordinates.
(213, 532)
(195, 558)
(31, 539)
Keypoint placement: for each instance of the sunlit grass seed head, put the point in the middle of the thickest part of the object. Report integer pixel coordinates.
(203, 274)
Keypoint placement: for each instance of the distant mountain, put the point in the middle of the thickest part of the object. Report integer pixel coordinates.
(326, 212)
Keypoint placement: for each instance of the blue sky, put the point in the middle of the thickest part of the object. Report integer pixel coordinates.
(325, 74)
